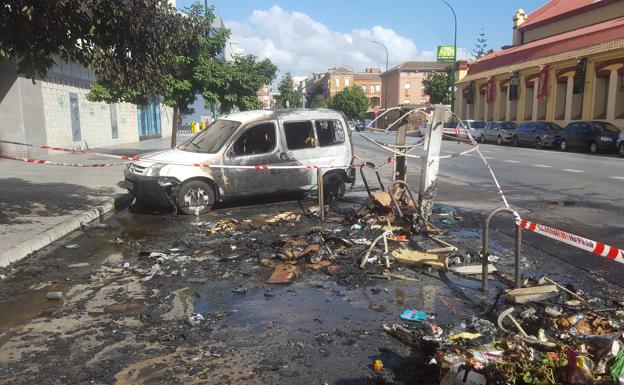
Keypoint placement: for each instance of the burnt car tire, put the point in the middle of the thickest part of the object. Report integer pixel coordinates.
(195, 196)
(515, 142)
(334, 186)
(563, 145)
(593, 148)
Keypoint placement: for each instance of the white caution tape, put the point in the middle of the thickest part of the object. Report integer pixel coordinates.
(138, 158)
(598, 248)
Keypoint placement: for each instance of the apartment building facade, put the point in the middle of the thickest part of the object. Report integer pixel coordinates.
(566, 63)
(403, 84)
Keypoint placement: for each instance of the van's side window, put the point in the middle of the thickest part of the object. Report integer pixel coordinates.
(329, 132)
(299, 135)
(259, 139)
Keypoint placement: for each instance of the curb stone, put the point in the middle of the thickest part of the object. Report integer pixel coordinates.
(60, 230)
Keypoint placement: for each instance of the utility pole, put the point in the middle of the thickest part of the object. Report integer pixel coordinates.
(430, 163)
(454, 57)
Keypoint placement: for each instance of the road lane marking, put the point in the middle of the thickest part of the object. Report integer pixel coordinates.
(542, 165)
(571, 170)
(511, 161)
(617, 177)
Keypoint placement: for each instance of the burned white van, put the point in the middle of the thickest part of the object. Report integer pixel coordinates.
(294, 137)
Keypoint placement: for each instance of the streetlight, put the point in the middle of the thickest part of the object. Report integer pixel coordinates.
(454, 57)
(386, 90)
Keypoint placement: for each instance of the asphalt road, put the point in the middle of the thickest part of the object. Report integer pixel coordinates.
(576, 192)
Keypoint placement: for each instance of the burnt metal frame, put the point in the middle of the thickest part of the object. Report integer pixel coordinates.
(485, 249)
(371, 166)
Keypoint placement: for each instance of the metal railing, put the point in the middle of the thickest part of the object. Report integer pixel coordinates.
(485, 248)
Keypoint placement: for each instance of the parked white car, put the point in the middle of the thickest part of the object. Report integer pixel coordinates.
(475, 127)
(294, 137)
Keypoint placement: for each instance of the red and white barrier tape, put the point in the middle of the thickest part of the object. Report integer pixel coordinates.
(53, 163)
(598, 248)
(476, 146)
(138, 158)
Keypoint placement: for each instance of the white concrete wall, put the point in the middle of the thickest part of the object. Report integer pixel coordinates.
(95, 121)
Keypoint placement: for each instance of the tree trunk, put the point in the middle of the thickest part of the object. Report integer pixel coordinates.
(174, 128)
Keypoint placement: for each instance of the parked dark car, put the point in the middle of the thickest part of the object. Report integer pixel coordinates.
(537, 134)
(593, 136)
(499, 132)
(362, 125)
(620, 143)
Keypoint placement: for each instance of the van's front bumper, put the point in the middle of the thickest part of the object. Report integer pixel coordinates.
(152, 190)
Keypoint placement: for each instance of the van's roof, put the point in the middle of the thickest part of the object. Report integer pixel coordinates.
(291, 113)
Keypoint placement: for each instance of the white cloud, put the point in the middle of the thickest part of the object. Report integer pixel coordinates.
(298, 44)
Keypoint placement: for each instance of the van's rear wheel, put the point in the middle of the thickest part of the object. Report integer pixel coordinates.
(333, 186)
(195, 197)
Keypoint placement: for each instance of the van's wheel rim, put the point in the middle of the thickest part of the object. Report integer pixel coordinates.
(499, 140)
(482, 139)
(564, 145)
(197, 199)
(538, 143)
(622, 149)
(515, 141)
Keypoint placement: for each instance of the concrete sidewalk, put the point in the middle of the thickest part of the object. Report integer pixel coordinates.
(41, 202)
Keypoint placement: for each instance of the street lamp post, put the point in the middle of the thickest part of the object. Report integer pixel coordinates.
(386, 88)
(454, 57)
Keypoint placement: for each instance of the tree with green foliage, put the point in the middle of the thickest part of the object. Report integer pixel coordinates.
(319, 101)
(197, 68)
(481, 46)
(438, 87)
(131, 42)
(316, 98)
(351, 100)
(288, 93)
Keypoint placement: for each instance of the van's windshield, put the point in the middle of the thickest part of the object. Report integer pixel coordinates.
(211, 139)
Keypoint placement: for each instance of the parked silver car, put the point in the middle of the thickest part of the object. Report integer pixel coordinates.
(499, 132)
(301, 137)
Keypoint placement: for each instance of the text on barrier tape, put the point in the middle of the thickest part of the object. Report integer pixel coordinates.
(598, 248)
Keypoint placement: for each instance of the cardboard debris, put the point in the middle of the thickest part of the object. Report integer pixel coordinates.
(473, 269)
(418, 258)
(318, 266)
(528, 294)
(283, 273)
(382, 199)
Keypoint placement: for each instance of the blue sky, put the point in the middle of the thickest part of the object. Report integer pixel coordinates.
(306, 36)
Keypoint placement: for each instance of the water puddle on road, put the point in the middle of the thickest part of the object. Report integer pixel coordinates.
(310, 302)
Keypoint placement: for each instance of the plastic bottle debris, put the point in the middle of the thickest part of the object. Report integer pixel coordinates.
(195, 319)
(71, 246)
(55, 295)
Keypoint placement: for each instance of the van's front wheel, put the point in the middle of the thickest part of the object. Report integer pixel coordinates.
(195, 197)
